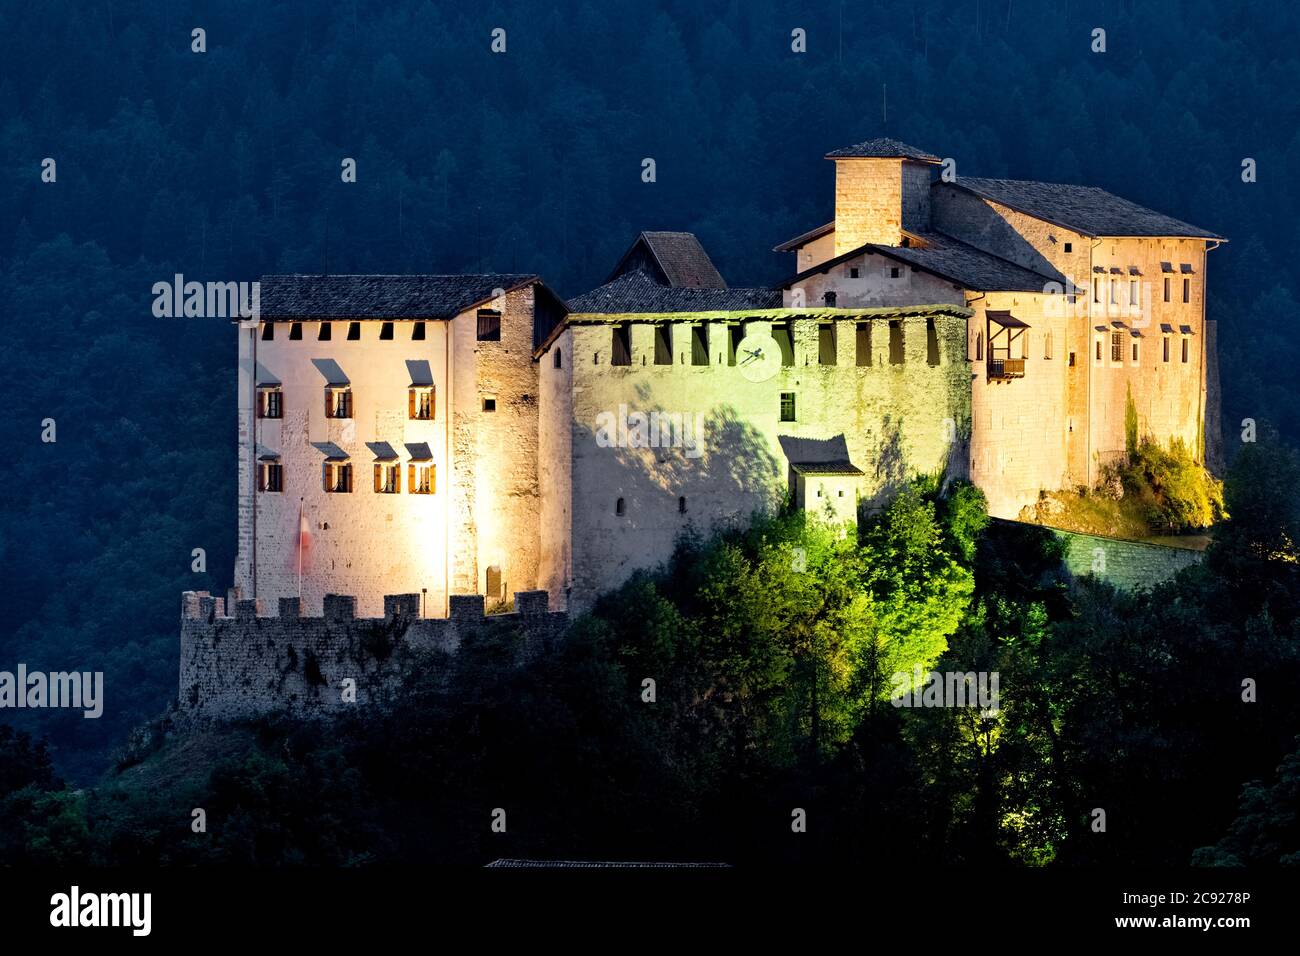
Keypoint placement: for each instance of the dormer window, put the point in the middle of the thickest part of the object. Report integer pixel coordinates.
(270, 401)
(338, 401)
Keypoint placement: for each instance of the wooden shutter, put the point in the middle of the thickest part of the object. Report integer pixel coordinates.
(410, 403)
(433, 403)
(329, 412)
(433, 479)
(378, 476)
(410, 477)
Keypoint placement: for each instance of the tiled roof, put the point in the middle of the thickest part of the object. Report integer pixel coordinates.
(1085, 209)
(683, 260)
(949, 258)
(825, 468)
(380, 296)
(637, 292)
(802, 240)
(882, 148)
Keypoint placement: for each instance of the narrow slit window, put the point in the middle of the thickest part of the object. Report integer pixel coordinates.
(931, 343)
(787, 407)
(699, 345)
(864, 344)
(620, 507)
(621, 345)
(559, 361)
(896, 345)
(734, 334)
(826, 344)
(663, 345)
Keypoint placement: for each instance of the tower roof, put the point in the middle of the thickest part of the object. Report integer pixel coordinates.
(882, 148)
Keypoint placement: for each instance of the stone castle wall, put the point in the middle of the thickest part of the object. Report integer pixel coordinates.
(1128, 565)
(247, 665)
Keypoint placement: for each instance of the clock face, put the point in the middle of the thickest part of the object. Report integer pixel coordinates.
(758, 357)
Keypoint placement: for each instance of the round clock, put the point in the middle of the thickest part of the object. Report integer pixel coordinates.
(758, 356)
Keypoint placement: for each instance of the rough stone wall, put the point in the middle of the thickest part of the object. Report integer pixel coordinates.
(362, 543)
(555, 453)
(497, 499)
(1021, 427)
(1128, 565)
(892, 420)
(868, 203)
(247, 665)
(874, 286)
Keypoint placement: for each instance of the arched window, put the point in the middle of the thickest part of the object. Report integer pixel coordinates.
(559, 362)
(620, 508)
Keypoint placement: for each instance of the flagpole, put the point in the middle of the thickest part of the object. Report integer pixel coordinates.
(300, 521)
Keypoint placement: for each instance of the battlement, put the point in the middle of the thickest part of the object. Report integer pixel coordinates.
(248, 663)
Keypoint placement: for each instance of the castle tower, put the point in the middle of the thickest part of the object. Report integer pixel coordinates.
(882, 187)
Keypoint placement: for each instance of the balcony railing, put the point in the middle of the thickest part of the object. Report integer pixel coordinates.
(1006, 368)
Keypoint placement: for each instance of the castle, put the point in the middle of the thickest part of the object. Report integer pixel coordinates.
(477, 434)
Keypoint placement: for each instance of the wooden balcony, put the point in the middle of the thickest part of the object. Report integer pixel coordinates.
(1006, 368)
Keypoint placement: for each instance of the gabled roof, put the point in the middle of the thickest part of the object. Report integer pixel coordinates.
(882, 148)
(941, 255)
(1085, 209)
(381, 296)
(792, 244)
(677, 255)
(638, 292)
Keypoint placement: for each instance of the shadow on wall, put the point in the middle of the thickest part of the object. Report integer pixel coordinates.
(720, 464)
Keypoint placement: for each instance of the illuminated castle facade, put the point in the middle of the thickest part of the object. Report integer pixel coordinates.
(448, 435)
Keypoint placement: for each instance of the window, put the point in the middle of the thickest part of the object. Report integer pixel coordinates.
(1047, 342)
(270, 476)
(489, 404)
(420, 477)
(338, 402)
(489, 325)
(979, 346)
(419, 403)
(734, 334)
(1114, 292)
(270, 402)
(784, 336)
(1098, 356)
(895, 272)
(388, 478)
(268, 332)
(1069, 247)
(295, 332)
(826, 344)
(1133, 292)
(681, 505)
(621, 345)
(1071, 360)
(1184, 350)
(354, 331)
(1096, 290)
(830, 298)
(559, 361)
(895, 342)
(386, 332)
(1135, 352)
(1116, 348)
(338, 477)
(1166, 288)
(1166, 348)
(494, 588)
(620, 507)
(787, 406)
(931, 343)
(699, 346)
(663, 345)
(853, 272)
(325, 332)
(864, 344)
(417, 332)
(1187, 290)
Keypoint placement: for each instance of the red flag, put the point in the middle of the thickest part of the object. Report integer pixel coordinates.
(301, 556)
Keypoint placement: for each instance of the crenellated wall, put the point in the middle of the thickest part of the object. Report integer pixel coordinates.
(248, 664)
